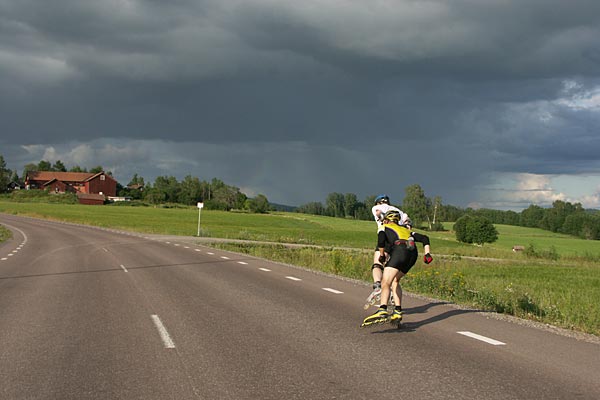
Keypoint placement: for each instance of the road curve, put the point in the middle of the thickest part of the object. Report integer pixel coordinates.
(89, 313)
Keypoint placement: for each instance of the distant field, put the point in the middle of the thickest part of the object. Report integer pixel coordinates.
(565, 292)
(291, 228)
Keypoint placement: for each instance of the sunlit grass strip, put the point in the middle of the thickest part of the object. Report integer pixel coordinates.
(5, 234)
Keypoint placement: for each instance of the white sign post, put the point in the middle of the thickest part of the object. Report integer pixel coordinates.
(200, 207)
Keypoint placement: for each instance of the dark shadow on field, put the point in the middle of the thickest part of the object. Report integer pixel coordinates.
(410, 325)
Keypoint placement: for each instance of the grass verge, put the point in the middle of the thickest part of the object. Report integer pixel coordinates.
(5, 234)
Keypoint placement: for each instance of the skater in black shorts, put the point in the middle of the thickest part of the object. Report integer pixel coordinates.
(399, 242)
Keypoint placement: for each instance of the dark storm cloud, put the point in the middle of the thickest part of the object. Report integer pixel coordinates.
(437, 79)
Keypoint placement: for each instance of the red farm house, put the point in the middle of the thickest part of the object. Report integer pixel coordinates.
(90, 188)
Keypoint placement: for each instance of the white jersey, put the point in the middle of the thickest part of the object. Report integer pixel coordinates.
(379, 211)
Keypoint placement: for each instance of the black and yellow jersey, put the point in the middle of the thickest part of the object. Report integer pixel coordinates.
(393, 233)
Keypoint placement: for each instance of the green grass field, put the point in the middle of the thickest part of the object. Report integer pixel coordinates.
(564, 292)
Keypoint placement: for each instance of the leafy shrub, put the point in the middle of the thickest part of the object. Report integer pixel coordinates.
(474, 229)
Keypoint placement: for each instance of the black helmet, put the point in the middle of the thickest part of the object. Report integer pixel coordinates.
(382, 198)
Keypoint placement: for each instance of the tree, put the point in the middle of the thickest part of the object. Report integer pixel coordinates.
(29, 168)
(314, 208)
(473, 229)
(154, 196)
(14, 177)
(59, 166)
(168, 187)
(190, 191)
(97, 169)
(531, 217)
(4, 175)
(335, 204)
(44, 166)
(416, 205)
(136, 180)
(77, 168)
(350, 205)
(259, 204)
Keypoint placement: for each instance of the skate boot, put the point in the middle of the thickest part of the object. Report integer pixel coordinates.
(396, 316)
(380, 316)
(374, 297)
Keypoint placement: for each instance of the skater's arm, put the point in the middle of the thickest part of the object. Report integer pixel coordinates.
(426, 246)
(421, 239)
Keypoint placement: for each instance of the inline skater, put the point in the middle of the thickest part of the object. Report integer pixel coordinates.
(400, 241)
(382, 206)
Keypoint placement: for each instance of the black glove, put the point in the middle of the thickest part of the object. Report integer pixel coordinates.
(382, 259)
(427, 258)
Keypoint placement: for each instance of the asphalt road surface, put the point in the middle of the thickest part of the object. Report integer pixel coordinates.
(87, 313)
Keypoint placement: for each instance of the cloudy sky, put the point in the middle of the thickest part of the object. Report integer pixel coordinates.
(485, 103)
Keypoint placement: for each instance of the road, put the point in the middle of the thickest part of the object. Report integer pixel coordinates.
(88, 313)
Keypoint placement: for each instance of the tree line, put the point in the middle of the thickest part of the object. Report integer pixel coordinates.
(215, 194)
(425, 212)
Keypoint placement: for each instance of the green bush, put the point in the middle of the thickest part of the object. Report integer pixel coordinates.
(474, 229)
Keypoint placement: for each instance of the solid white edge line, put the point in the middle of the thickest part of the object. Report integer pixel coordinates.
(265, 269)
(123, 267)
(162, 331)
(293, 278)
(332, 290)
(482, 338)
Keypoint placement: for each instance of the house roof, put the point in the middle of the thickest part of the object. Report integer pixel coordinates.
(47, 176)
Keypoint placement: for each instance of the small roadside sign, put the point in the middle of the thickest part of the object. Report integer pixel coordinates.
(200, 207)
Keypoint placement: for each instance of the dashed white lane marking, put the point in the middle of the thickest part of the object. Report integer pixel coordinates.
(332, 290)
(293, 278)
(3, 258)
(225, 258)
(482, 338)
(177, 244)
(242, 262)
(197, 250)
(186, 247)
(15, 251)
(105, 249)
(10, 255)
(123, 267)
(265, 269)
(208, 252)
(162, 331)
